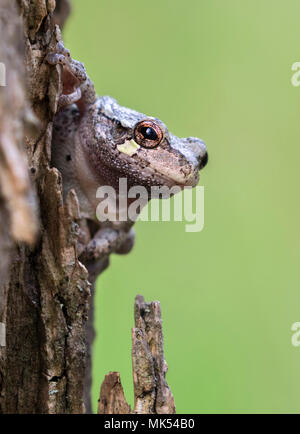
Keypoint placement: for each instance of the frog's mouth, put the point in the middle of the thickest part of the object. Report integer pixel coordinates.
(175, 162)
(145, 175)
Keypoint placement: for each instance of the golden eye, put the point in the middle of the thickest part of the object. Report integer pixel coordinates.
(148, 134)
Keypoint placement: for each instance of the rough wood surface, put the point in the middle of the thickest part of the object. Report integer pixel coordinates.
(152, 394)
(112, 399)
(44, 298)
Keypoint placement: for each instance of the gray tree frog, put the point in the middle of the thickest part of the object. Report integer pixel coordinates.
(96, 142)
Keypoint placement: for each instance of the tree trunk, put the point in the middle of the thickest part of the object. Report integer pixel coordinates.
(44, 294)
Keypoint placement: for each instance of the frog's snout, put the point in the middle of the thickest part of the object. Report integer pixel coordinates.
(197, 148)
(203, 161)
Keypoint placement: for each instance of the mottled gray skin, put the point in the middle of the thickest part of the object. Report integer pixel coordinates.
(87, 134)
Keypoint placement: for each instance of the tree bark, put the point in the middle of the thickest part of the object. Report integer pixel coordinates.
(44, 295)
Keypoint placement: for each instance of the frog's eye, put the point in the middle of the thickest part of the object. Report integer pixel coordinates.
(148, 134)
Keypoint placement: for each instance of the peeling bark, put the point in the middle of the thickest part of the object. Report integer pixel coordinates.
(152, 394)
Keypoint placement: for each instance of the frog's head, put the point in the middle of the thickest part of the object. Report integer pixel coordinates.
(131, 145)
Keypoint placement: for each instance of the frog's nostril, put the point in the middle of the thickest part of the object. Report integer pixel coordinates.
(203, 161)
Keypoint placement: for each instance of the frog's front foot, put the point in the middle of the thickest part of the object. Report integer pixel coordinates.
(73, 75)
(61, 55)
(128, 243)
(107, 241)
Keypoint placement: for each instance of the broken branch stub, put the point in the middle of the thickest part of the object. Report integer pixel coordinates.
(151, 391)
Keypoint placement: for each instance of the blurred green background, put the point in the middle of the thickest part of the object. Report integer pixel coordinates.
(219, 70)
